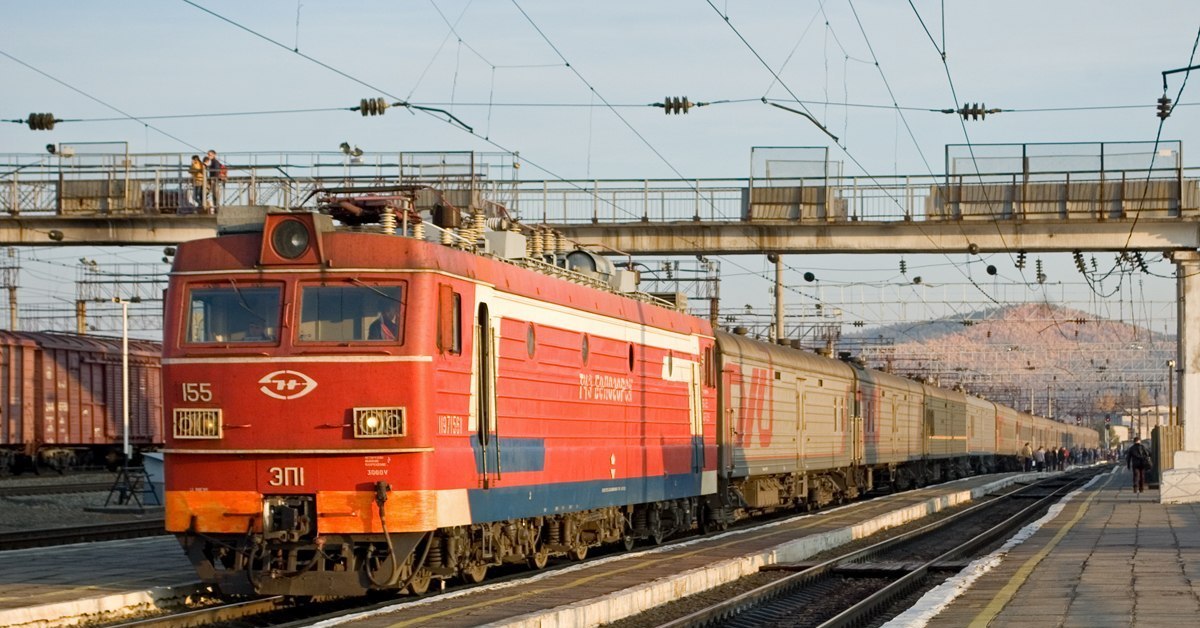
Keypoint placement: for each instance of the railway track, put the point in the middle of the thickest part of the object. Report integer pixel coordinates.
(80, 534)
(859, 587)
(227, 612)
(54, 489)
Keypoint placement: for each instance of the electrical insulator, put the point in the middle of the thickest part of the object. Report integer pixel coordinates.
(372, 106)
(1141, 263)
(1038, 265)
(1095, 267)
(1164, 107)
(1079, 262)
(977, 111)
(675, 104)
(903, 267)
(41, 121)
(1021, 260)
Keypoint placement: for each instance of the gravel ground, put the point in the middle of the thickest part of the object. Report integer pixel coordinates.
(31, 512)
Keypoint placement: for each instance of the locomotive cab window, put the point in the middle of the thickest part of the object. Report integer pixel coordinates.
(352, 313)
(233, 314)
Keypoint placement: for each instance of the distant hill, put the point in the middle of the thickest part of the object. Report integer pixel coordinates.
(1089, 366)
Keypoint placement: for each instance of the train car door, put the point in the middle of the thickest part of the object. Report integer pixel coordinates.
(696, 411)
(485, 399)
(801, 427)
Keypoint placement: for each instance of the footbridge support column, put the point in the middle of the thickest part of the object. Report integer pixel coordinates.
(1182, 484)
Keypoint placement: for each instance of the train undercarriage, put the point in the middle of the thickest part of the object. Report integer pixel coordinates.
(289, 557)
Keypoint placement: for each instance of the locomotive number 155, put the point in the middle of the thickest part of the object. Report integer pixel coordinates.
(197, 391)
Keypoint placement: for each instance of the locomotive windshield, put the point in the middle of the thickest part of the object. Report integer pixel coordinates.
(233, 314)
(352, 313)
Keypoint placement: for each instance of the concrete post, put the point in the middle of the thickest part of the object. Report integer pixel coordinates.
(1182, 484)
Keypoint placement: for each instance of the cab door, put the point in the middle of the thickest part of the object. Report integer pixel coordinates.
(696, 412)
(488, 433)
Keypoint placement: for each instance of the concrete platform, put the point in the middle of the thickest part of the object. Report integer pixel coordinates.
(61, 586)
(1106, 558)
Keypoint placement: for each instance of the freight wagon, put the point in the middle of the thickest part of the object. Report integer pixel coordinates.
(61, 396)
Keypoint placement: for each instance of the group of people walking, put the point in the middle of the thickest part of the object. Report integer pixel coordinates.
(1137, 459)
(1042, 459)
(208, 176)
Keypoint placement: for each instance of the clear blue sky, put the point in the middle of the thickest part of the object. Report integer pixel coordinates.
(166, 58)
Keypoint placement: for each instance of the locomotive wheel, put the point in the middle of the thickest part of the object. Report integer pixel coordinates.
(475, 573)
(578, 552)
(420, 582)
(539, 558)
(657, 536)
(628, 541)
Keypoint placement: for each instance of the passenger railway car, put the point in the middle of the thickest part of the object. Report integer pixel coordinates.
(358, 410)
(60, 398)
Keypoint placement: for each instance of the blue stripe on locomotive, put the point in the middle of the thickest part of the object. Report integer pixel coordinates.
(513, 502)
(516, 454)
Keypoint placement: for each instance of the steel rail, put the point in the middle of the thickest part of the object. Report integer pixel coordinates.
(78, 534)
(731, 607)
(54, 489)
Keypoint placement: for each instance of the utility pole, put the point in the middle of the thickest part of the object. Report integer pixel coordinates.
(779, 331)
(11, 274)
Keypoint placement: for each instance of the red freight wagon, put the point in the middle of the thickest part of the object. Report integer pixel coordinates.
(62, 397)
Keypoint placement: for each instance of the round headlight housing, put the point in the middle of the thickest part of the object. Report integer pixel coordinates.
(290, 239)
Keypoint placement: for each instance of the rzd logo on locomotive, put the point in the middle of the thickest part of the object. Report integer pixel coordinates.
(286, 384)
(757, 411)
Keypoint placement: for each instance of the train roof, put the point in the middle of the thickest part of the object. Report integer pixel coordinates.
(82, 343)
(366, 252)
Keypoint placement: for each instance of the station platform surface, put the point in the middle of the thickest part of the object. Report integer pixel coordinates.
(1107, 558)
(51, 586)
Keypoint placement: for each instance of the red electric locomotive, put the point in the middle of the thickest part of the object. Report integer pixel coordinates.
(355, 410)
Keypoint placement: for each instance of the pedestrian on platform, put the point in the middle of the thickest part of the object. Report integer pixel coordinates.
(1137, 458)
(1064, 458)
(1039, 458)
(1026, 458)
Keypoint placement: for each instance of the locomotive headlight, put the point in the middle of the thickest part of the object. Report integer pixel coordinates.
(378, 422)
(290, 239)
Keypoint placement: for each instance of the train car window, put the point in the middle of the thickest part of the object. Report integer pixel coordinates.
(449, 338)
(530, 341)
(631, 357)
(350, 313)
(233, 314)
(583, 348)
